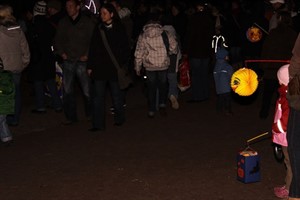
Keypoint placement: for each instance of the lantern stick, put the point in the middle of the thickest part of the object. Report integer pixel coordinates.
(254, 138)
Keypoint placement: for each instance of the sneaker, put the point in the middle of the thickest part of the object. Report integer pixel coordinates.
(281, 192)
(174, 102)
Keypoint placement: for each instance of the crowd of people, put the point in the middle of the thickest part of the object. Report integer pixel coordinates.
(150, 39)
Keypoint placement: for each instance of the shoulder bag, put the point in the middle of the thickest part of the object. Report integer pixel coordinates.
(124, 78)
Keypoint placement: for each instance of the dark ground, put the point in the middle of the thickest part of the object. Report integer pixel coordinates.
(188, 155)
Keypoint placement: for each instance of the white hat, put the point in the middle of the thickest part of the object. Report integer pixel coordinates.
(277, 1)
(39, 8)
(283, 74)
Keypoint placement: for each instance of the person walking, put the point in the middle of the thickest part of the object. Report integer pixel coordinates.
(151, 52)
(101, 68)
(15, 56)
(200, 31)
(72, 42)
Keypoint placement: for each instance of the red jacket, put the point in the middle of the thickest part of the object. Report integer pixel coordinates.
(279, 126)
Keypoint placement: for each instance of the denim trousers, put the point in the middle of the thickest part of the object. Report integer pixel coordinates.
(39, 87)
(157, 81)
(73, 71)
(293, 138)
(173, 84)
(98, 99)
(5, 134)
(199, 78)
(15, 118)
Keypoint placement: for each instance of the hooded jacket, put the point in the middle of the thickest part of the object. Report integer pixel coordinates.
(14, 50)
(150, 49)
(222, 72)
(279, 126)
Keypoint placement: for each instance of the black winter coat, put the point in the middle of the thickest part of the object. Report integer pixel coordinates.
(99, 60)
(42, 66)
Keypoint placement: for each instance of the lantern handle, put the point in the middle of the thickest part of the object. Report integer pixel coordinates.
(256, 137)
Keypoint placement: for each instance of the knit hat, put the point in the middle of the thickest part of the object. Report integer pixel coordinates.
(277, 1)
(283, 74)
(54, 4)
(39, 8)
(221, 54)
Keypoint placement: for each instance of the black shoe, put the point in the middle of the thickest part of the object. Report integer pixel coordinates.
(95, 129)
(58, 110)
(68, 122)
(13, 124)
(118, 123)
(163, 111)
(37, 111)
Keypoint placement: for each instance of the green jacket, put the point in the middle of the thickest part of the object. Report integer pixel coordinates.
(7, 93)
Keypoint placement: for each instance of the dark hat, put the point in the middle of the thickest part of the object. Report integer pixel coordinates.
(54, 4)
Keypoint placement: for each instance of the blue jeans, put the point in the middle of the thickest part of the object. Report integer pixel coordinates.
(293, 137)
(99, 90)
(40, 94)
(173, 84)
(15, 118)
(157, 81)
(199, 78)
(71, 71)
(5, 134)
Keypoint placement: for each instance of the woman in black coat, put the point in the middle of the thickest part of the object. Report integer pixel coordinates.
(101, 68)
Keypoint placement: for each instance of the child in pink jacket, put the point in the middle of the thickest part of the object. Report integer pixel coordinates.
(279, 128)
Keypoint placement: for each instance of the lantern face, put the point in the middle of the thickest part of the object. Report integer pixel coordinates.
(244, 82)
(254, 34)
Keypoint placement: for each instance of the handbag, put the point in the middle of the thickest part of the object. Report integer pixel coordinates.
(293, 94)
(124, 78)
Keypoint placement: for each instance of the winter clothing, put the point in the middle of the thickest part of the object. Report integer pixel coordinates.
(40, 8)
(279, 126)
(104, 71)
(150, 49)
(14, 50)
(7, 103)
(275, 48)
(222, 72)
(293, 130)
(73, 36)
(102, 66)
(7, 93)
(43, 60)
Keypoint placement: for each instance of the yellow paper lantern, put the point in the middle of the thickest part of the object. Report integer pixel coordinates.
(244, 82)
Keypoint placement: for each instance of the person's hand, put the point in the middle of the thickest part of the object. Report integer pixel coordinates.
(89, 71)
(64, 56)
(83, 58)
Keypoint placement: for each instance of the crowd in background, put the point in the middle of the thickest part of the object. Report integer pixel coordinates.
(148, 38)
